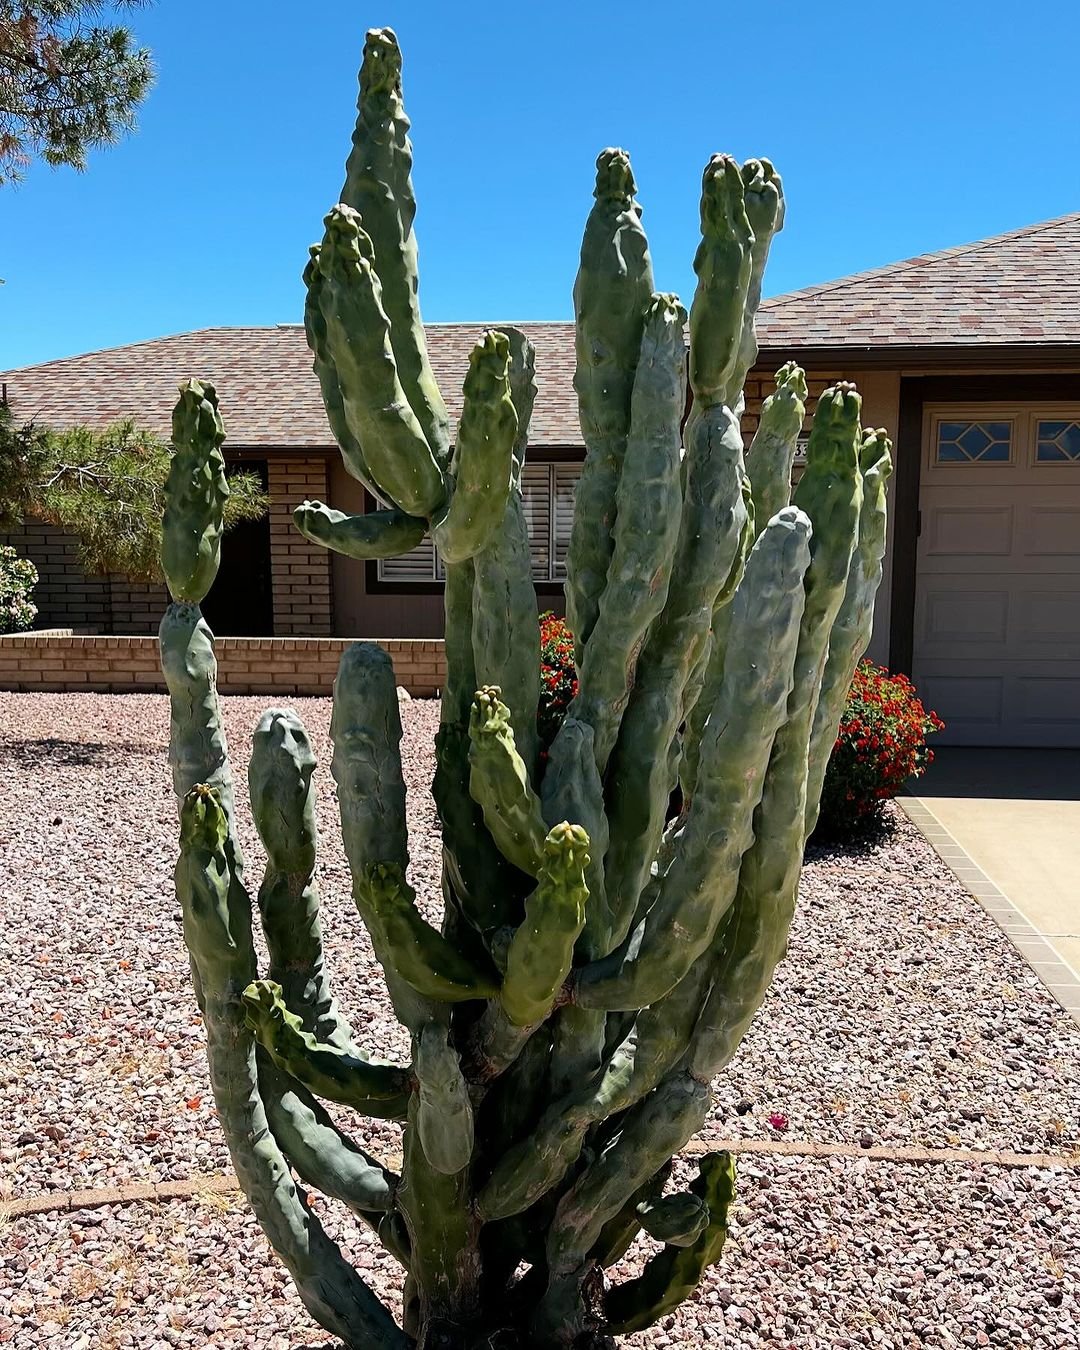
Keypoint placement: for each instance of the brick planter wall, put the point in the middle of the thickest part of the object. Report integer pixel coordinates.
(63, 662)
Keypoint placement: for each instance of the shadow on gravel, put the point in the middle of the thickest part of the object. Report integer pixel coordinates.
(77, 754)
(825, 846)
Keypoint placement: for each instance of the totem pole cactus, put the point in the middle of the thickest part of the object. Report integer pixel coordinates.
(598, 961)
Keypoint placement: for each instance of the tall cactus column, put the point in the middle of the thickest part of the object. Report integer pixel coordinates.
(596, 962)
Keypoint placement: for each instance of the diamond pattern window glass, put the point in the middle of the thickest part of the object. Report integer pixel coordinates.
(1057, 443)
(970, 442)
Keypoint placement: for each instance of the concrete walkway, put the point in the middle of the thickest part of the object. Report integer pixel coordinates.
(1008, 823)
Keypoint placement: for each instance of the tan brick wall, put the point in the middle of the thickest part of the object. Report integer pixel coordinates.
(76, 663)
(300, 571)
(66, 597)
(760, 383)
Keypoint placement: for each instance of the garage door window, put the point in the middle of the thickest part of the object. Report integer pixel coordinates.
(1058, 443)
(971, 442)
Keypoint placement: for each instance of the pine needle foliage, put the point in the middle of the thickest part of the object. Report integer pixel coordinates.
(105, 487)
(70, 80)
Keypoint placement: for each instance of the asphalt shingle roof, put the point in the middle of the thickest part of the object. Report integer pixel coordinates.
(1016, 289)
(1013, 289)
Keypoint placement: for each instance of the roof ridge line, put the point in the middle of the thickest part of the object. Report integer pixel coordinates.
(918, 260)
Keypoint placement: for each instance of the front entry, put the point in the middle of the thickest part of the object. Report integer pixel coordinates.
(240, 603)
(997, 607)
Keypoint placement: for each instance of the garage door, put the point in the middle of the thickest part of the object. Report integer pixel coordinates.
(997, 616)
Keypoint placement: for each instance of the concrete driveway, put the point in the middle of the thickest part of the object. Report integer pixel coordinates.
(1008, 823)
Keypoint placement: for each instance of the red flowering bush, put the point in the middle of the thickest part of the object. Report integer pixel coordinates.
(880, 745)
(558, 678)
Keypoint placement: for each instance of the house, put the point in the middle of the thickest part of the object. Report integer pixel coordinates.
(970, 357)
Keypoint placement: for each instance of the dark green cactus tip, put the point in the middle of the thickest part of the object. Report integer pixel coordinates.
(196, 417)
(614, 177)
(381, 68)
(346, 242)
(723, 204)
(203, 822)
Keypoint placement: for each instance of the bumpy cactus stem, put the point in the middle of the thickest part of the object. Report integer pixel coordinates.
(598, 957)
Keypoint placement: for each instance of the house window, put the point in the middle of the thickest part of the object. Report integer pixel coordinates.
(967, 442)
(1057, 442)
(547, 493)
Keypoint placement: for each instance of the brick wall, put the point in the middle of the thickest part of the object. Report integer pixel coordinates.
(760, 383)
(77, 663)
(303, 602)
(66, 597)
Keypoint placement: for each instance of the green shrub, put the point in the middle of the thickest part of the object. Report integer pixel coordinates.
(18, 577)
(880, 746)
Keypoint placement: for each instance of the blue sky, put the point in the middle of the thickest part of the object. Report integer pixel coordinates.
(898, 129)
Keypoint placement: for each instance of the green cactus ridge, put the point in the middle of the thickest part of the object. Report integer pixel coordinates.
(601, 946)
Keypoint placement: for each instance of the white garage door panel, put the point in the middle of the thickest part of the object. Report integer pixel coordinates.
(997, 611)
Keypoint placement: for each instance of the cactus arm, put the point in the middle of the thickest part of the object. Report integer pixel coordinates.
(378, 184)
(198, 752)
(352, 454)
(487, 888)
(703, 686)
(772, 451)
(672, 1275)
(724, 264)
(536, 1163)
(676, 1220)
(764, 198)
(854, 623)
(410, 948)
(217, 929)
(283, 804)
(320, 1153)
(505, 631)
(700, 883)
(618, 1234)
(444, 1116)
(540, 953)
(358, 341)
(365, 728)
(380, 1090)
(611, 294)
(643, 770)
(522, 377)
(649, 504)
(831, 489)
(482, 468)
(196, 490)
(372, 534)
(499, 784)
(572, 790)
(654, 1130)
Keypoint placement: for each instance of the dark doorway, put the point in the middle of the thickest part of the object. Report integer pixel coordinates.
(241, 603)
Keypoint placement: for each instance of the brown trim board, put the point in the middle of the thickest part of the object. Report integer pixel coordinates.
(915, 393)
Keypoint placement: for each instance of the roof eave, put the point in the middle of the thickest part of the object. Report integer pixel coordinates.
(966, 356)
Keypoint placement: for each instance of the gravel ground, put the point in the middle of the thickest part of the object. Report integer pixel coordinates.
(903, 1015)
(860, 1254)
